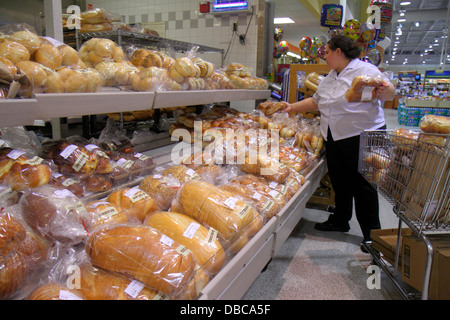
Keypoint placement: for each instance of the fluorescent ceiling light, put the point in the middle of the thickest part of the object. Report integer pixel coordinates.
(405, 3)
(292, 54)
(401, 20)
(283, 20)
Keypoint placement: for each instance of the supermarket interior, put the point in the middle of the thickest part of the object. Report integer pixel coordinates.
(151, 150)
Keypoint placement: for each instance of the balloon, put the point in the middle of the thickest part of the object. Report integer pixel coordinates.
(352, 29)
(321, 52)
(331, 15)
(374, 56)
(367, 33)
(335, 32)
(278, 34)
(276, 53)
(305, 43)
(283, 46)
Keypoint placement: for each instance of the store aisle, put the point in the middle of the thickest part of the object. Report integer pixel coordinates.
(316, 265)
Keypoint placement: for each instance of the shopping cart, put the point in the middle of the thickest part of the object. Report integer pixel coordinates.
(410, 169)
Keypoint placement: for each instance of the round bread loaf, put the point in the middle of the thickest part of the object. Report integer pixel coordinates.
(23, 176)
(28, 39)
(34, 71)
(14, 51)
(49, 56)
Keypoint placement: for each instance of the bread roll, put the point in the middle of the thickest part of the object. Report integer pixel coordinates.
(49, 56)
(146, 58)
(73, 80)
(215, 207)
(97, 15)
(6, 162)
(99, 284)
(8, 66)
(55, 291)
(34, 71)
(144, 254)
(97, 27)
(23, 176)
(435, 124)
(28, 39)
(72, 184)
(69, 55)
(97, 183)
(362, 88)
(149, 79)
(14, 51)
(97, 50)
(190, 233)
(14, 271)
(138, 203)
(54, 83)
(114, 73)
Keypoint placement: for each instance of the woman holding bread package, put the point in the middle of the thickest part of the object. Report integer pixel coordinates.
(349, 100)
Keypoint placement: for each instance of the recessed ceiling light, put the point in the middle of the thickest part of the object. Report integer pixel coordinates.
(401, 20)
(417, 24)
(283, 20)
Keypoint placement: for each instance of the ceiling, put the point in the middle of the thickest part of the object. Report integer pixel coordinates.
(410, 45)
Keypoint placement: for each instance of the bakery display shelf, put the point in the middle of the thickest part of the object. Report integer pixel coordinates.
(122, 37)
(44, 106)
(234, 279)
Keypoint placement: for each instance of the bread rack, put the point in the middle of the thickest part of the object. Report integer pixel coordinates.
(122, 37)
(413, 175)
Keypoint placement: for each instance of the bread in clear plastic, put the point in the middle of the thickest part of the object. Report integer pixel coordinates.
(101, 284)
(55, 291)
(431, 123)
(137, 202)
(56, 214)
(161, 188)
(265, 166)
(214, 207)
(73, 184)
(200, 240)
(69, 55)
(149, 79)
(363, 88)
(105, 212)
(49, 56)
(97, 50)
(143, 253)
(14, 51)
(116, 73)
(80, 80)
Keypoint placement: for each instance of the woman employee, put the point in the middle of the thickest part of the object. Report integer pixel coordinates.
(341, 123)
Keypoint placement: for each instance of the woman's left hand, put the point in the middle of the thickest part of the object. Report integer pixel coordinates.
(385, 91)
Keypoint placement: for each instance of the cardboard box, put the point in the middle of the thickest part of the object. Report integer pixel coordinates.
(414, 257)
(424, 188)
(385, 242)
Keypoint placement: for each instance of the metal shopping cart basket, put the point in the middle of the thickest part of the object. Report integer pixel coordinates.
(410, 169)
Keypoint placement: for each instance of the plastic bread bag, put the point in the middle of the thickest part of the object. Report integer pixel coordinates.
(143, 253)
(106, 213)
(137, 202)
(264, 204)
(145, 58)
(73, 184)
(200, 240)
(431, 123)
(70, 158)
(238, 69)
(216, 208)
(265, 166)
(80, 79)
(363, 88)
(152, 79)
(97, 50)
(104, 164)
(161, 188)
(21, 171)
(134, 163)
(56, 214)
(270, 107)
(217, 81)
(116, 73)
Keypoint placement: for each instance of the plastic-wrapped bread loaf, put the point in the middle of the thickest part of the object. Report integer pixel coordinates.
(215, 207)
(435, 124)
(14, 271)
(55, 291)
(99, 284)
(143, 253)
(267, 167)
(362, 88)
(190, 233)
(138, 203)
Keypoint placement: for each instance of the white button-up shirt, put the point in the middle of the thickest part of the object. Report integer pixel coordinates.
(347, 119)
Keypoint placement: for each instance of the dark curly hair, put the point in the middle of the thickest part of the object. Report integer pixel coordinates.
(347, 46)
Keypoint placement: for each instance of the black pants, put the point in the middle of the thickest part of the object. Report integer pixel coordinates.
(349, 184)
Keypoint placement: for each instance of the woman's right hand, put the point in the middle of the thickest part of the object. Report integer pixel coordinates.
(286, 107)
